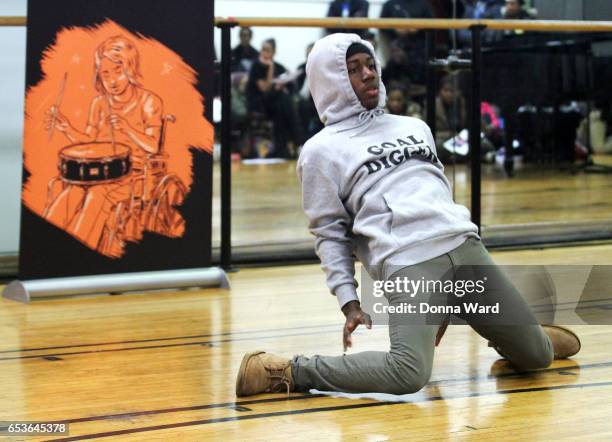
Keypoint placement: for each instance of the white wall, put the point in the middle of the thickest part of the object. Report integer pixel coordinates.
(12, 81)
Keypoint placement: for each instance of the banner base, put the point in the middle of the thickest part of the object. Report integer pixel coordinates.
(25, 291)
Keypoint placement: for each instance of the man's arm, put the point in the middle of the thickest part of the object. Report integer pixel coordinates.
(329, 222)
(265, 84)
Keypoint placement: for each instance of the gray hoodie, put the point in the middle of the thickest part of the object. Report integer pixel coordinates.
(372, 184)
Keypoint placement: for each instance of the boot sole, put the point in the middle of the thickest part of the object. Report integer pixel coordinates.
(241, 371)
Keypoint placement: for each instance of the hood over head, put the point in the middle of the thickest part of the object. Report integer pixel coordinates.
(329, 82)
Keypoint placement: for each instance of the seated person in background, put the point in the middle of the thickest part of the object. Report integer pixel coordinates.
(308, 117)
(478, 9)
(492, 124)
(411, 41)
(515, 10)
(399, 103)
(240, 114)
(450, 117)
(398, 68)
(346, 9)
(482, 9)
(300, 80)
(244, 55)
(269, 95)
(451, 120)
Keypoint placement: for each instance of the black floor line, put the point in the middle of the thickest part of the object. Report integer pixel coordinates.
(248, 402)
(322, 409)
(250, 332)
(139, 341)
(182, 344)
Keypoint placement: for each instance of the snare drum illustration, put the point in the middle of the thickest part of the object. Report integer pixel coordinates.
(94, 163)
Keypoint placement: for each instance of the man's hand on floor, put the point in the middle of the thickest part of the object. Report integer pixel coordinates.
(354, 316)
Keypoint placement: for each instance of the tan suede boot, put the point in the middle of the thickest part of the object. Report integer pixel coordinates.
(564, 341)
(262, 372)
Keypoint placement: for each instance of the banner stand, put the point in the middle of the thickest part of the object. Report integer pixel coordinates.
(25, 291)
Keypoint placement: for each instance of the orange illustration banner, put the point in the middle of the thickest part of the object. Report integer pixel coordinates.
(117, 143)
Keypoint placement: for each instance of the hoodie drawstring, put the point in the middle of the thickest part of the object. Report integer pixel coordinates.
(365, 119)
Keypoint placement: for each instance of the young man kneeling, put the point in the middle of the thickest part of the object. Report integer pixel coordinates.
(373, 186)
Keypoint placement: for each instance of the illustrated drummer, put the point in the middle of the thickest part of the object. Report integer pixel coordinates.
(123, 114)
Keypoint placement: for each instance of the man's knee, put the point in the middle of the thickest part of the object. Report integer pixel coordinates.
(414, 384)
(536, 358)
(410, 375)
(536, 353)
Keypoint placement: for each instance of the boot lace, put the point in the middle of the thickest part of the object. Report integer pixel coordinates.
(278, 379)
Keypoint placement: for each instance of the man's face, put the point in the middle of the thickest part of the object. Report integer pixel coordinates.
(113, 76)
(513, 7)
(396, 102)
(398, 55)
(267, 52)
(364, 79)
(447, 93)
(245, 37)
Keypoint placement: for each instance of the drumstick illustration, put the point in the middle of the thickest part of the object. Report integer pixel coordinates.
(58, 101)
(112, 134)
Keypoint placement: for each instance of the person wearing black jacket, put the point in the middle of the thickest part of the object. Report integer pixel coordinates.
(515, 10)
(411, 41)
(404, 9)
(349, 8)
(479, 10)
(244, 55)
(269, 95)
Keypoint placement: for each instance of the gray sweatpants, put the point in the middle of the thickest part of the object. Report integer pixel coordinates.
(406, 367)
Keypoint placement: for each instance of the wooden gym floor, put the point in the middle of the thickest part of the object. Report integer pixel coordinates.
(161, 366)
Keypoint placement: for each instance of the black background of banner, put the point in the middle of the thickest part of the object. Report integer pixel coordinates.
(184, 26)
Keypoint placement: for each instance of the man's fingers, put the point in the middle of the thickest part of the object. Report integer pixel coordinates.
(350, 326)
(346, 338)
